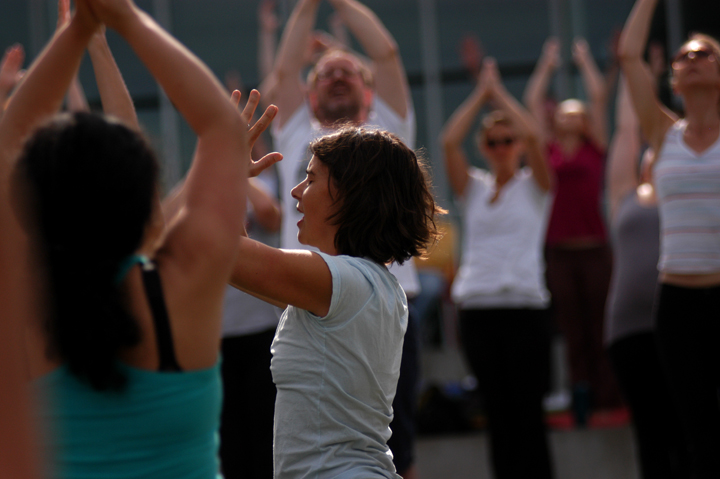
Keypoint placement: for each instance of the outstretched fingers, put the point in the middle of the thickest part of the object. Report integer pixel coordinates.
(257, 167)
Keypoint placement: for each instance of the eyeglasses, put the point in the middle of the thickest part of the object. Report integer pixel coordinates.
(702, 53)
(494, 143)
(338, 72)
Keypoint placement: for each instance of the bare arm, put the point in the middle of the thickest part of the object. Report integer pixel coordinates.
(10, 73)
(622, 176)
(454, 133)
(114, 94)
(654, 119)
(596, 90)
(524, 123)
(390, 78)
(288, 91)
(537, 87)
(76, 100)
(296, 277)
(36, 99)
(267, 41)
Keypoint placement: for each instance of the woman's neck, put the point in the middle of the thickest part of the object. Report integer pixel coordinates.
(502, 176)
(569, 142)
(701, 110)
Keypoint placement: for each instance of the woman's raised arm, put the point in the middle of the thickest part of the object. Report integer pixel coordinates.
(525, 124)
(454, 133)
(654, 118)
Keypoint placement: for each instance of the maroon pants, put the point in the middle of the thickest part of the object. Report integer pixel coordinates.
(578, 280)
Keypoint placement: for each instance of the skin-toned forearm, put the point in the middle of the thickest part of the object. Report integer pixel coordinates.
(188, 82)
(528, 128)
(461, 121)
(36, 98)
(636, 31)
(623, 152)
(375, 39)
(114, 94)
(267, 45)
(76, 100)
(290, 56)
(267, 208)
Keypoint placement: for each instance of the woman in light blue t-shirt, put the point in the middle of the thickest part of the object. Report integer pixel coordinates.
(366, 202)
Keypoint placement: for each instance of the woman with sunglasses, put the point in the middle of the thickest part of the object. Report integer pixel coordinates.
(500, 287)
(579, 260)
(686, 174)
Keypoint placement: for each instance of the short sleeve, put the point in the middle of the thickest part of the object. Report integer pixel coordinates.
(351, 289)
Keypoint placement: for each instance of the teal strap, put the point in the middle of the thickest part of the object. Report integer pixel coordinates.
(127, 264)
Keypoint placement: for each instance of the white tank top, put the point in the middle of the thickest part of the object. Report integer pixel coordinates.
(688, 190)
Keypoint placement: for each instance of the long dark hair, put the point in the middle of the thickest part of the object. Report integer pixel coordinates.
(91, 182)
(385, 209)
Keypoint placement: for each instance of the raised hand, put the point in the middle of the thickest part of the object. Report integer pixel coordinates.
(254, 131)
(113, 13)
(580, 51)
(266, 16)
(551, 52)
(64, 15)
(10, 72)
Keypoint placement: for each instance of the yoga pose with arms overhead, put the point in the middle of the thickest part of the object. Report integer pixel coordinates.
(686, 175)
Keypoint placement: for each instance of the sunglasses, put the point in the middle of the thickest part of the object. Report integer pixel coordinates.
(494, 143)
(702, 53)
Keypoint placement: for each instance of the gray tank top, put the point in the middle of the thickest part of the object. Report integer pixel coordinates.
(636, 245)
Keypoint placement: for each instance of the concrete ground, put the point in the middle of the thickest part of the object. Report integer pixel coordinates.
(578, 454)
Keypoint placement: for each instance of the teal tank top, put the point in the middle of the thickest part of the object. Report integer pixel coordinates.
(163, 425)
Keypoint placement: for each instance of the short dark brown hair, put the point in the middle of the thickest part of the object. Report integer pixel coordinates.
(384, 205)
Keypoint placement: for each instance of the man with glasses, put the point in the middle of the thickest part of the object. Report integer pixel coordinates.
(342, 87)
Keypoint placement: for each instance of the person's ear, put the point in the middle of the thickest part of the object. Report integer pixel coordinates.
(313, 99)
(368, 95)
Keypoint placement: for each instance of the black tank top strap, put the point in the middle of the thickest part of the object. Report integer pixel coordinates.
(161, 320)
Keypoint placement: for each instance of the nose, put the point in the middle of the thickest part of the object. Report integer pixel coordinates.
(297, 191)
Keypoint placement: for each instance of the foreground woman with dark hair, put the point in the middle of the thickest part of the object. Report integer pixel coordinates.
(686, 174)
(128, 355)
(366, 202)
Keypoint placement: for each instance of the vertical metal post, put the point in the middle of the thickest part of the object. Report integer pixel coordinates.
(38, 26)
(673, 12)
(169, 124)
(562, 79)
(432, 87)
(578, 29)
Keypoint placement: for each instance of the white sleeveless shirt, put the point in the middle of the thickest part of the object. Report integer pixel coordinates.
(688, 190)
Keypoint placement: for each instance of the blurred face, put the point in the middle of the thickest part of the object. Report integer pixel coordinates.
(695, 65)
(570, 117)
(339, 92)
(501, 147)
(315, 203)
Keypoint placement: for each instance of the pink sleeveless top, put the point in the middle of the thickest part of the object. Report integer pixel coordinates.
(578, 188)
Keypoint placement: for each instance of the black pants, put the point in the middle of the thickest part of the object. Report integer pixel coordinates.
(508, 350)
(656, 423)
(246, 425)
(688, 331)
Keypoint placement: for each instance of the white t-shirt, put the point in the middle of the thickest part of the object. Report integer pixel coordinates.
(336, 376)
(502, 263)
(293, 141)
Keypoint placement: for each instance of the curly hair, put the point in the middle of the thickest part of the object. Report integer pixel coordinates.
(384, 207)
(91, 183)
